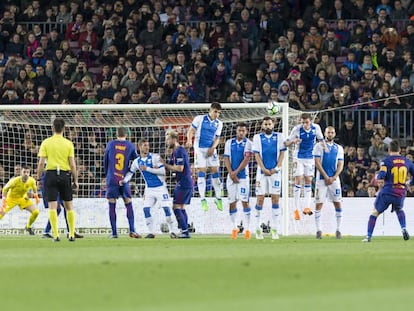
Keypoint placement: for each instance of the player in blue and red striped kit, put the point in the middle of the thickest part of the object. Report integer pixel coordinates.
(179, 163)
(119, 153)
(394, 170)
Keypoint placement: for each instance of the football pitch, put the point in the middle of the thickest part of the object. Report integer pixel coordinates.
(206, 273)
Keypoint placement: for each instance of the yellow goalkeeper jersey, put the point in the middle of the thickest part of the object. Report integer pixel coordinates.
(16, 188)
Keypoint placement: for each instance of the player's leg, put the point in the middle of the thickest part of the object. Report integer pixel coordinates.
(244, 194)
(9, 204)
(182, 197)
(298, 177)
(320, 195)
(166, 204)
(34, 213)
(336, 196)
(126, 196)
(149, 200)
(275, 190)
(112, 211)
(308, 195)
(397, 206)
(380, 205)
(232, 189)
(213, 163)
(200, 163)
(261, 190)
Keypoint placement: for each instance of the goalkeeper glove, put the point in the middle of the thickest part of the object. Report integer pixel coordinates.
(36, 197)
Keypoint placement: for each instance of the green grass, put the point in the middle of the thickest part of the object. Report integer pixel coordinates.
(206, 273)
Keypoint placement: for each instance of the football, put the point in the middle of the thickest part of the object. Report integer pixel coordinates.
(273, 108)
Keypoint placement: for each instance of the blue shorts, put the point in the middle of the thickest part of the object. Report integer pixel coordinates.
(114, 192)
(384, 200)
(182, 195)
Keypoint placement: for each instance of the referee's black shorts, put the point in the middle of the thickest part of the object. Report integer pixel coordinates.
(58, 184)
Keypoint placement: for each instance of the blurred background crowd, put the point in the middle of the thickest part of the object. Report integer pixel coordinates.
(352, 60)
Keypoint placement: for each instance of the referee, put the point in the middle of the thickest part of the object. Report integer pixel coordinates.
(58, 154)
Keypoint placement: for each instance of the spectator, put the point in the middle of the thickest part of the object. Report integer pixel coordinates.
(74, 28)
(348, 134)
(150, 38)
(328, 66)
(378, 149)
(331, 44)
(366, 135)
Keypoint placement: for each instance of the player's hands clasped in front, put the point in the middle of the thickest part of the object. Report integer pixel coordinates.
(188, 144)
(234, 178)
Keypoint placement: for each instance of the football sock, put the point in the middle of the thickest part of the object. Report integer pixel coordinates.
(178, 216)
(66, 217)
(233, 213)
(371, 225)
(71, 222)
(296, 194)
(338, 215)
(148, 219)
(48, 227)
(167, 211)
(112, 218)
(308, 195)
(217, 185)
(169, 222)
(54, 222)
(247, 212)
(275, 216)
(32, 218)
(130, 216)
(258, 212)
(184, 213)
(201, 184)
(318, 220)
(183, 222)
(401, 218)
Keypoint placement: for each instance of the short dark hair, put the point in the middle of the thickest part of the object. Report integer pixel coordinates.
(121, 132)
(394, 146)
(268, 118)
(241, 124)
(26, 167)
(142, 141)
(58, 125)
(215, 105)
(305, 116)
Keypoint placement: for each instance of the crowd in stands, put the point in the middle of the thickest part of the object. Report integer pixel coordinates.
(316, 55)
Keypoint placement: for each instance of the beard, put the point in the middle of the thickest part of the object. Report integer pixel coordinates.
(268, 131)
(25, 178)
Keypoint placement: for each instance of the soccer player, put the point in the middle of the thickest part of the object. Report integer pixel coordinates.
(15, 192)
(119, 153)
(179, 163)
(329, 162)
(153, 172)
(269, 150)
(394, 170)
(206, 130)
(304, 136)
(58, 153)
(237, 154)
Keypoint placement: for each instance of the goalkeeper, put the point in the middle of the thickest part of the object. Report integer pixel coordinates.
(15, 192)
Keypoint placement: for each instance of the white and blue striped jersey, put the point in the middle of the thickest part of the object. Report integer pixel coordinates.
(269, 148)
(236, 151)
(304, 150)
(206, 131)
(151, 160)
(329, 158)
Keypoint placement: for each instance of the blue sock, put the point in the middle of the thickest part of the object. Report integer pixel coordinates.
(112, 217)
(48, 227)
(371, 225)
(181, 219)
(167, 211)
(184, 213)
(401, 218)
(177, 214)
(130, 216)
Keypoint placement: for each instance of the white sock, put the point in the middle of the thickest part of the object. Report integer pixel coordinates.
(217, 187)
(170, 223)
(296, 194)
(233, 218)
(258, 220)
(275, 218)
(318, 220)
(308, 195)
(150, 224)
(338, 215)
(201, 184)
(247, 220)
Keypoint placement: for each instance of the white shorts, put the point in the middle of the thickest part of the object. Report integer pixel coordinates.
(157, 195)
(304, 167)
(201, 160)
(332, 192)
(239, 191)
(268, 184)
